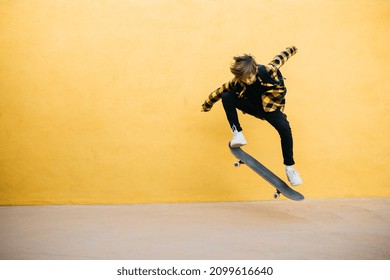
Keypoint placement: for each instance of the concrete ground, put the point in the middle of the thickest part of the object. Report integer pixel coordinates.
(275, 230)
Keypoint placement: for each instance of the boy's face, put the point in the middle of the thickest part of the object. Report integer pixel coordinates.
(249, 79)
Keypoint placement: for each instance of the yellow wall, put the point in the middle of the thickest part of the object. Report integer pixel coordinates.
(100, 100)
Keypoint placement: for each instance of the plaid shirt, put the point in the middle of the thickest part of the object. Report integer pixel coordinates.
(268, 75)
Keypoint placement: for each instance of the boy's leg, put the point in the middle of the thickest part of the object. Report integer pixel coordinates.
(279, 121)
(231, 103)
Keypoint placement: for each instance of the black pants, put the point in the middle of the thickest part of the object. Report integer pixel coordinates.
(277, 119)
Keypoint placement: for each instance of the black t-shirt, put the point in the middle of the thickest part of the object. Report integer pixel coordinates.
(254, 91)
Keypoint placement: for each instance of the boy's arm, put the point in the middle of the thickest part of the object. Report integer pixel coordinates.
(282, 57)
(215, 96)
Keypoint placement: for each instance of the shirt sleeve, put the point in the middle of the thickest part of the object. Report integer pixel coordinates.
(216, 95)
(282, 57)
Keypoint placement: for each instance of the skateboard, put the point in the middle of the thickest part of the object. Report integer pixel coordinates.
(280, 186)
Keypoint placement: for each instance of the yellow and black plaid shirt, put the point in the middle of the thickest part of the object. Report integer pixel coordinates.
(269, 77)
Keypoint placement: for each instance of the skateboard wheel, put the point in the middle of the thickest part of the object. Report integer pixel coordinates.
(237, 164)
(276, 195)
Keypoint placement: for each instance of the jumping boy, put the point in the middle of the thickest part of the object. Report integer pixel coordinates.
(258, 90)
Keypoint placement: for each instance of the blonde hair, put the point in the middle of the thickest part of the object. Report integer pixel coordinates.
(243, 66)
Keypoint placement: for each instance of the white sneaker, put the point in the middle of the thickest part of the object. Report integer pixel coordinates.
(238, 139)
(293, 176)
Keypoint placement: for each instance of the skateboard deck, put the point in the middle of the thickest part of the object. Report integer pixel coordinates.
(265, 173)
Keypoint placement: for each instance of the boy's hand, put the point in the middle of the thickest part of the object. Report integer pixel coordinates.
(294, 48)
(205, 107)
